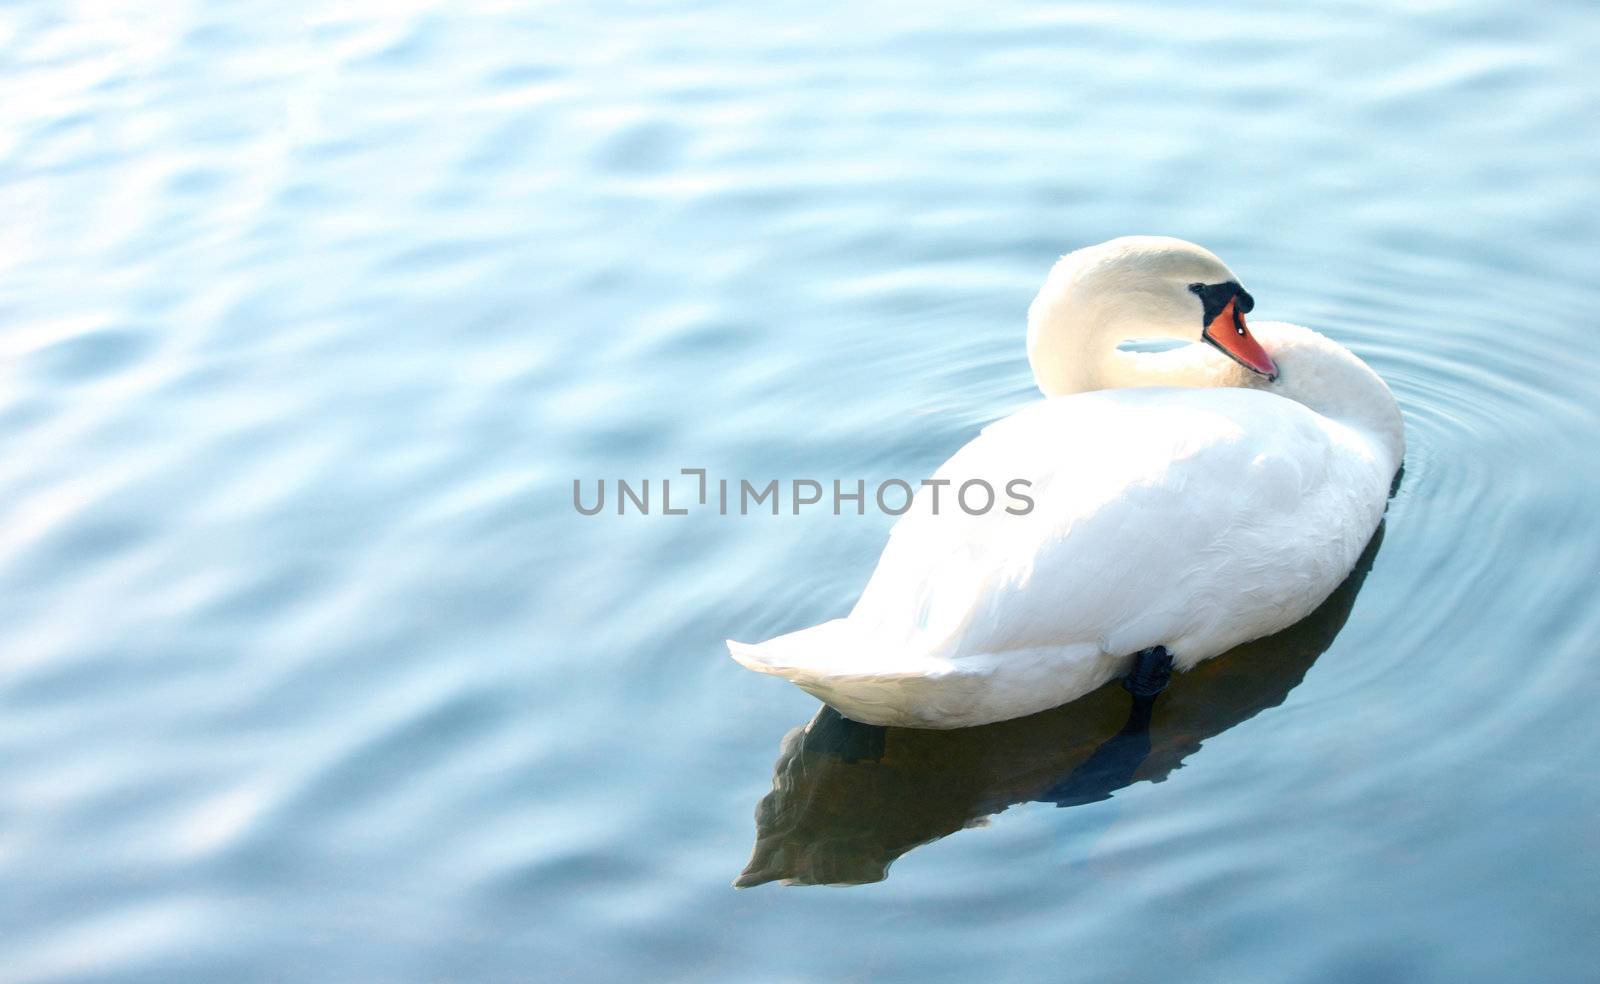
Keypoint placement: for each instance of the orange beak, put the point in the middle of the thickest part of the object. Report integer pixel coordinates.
(1228, 333)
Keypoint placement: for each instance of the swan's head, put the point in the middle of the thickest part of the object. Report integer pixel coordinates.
(1136, 287)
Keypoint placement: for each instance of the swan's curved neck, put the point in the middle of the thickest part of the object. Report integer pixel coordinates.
(1313, 370)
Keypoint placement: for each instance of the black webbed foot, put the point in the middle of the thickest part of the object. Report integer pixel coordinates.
(1114, 763)
(1152, 668)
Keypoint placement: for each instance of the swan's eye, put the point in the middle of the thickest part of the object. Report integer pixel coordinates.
(1214, 298)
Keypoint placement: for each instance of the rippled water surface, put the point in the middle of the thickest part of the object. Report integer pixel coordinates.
(310, 315)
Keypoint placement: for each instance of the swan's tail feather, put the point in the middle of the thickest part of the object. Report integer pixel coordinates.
(805, 650)
(844, 667)
(832, 650)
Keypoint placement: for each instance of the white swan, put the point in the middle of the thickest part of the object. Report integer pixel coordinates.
(1182, 500)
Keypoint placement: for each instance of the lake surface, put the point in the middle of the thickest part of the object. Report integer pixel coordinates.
(311, 314)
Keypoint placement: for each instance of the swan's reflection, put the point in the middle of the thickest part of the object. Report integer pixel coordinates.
(848, 799)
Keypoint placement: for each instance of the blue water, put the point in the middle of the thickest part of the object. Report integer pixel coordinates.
(311, 314)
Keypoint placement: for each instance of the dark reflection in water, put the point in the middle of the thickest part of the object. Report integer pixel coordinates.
(848, 799)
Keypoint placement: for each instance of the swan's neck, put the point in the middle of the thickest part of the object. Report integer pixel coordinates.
(1313, 370)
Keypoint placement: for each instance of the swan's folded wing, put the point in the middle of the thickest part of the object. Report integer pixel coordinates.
(1144, 501)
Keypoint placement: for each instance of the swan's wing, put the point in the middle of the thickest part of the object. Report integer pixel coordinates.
(1158, 514)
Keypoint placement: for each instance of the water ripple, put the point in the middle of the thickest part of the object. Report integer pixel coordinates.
(310, 317)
